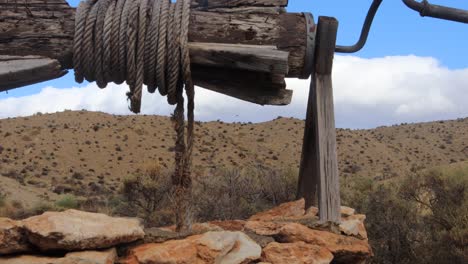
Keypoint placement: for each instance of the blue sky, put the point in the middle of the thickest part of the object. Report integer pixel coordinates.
(424, 63)
(397, 30)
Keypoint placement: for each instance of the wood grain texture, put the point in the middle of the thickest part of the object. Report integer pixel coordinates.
(319, 162)
(308, 170)
(236, 56)
(285, 31)
(24, 70)
(37, 27)
(329, 184)
(209, 4)
(255, 87)
(250, 10)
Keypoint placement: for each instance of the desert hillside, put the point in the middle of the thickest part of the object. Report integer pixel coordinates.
(89, 153)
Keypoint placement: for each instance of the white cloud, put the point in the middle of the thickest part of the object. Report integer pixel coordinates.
(368, 93)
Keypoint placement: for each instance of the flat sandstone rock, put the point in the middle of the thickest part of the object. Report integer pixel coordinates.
(12, 237)
(85, 257)
(78, 230)
(212, 247)
(298, 253)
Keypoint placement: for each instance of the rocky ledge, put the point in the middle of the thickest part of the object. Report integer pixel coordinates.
(285, 234)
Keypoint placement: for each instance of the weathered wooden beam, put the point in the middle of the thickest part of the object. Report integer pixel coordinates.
(18, 71)
(271, 10)
(37, 27)
(236, 56)
(209, 4)
(46, 28)
(255, 87)
(319, 164)
(285, 31)
(308, 170)
(325, 161)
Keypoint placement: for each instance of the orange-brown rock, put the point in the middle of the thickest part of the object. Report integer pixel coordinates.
(83, 257)
(12, 237)
(346, 249)
(296, 253)
(286, 210)
(197, 228)
(213, 247)
(230, 225)
(174, 251)
(312, 211)
(263, 228)
(347, 211)
(354, 226)
(78, 230)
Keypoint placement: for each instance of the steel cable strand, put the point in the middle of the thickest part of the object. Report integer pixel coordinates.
(161, 52)
(88, 47)
(152, 40)
(99, 41)
(80, 24)
(174, 60)
(119, 41)
(135, 100)
(182, 177)
(108, 43)
(147, 43)
(131, 54)
(123, 42)
(189, 86)
(115, 58)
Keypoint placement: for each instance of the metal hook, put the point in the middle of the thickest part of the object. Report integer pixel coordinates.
(364, 32)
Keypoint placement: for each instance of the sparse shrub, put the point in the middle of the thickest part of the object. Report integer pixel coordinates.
(422, 218)
(146, 193)
(2, 199)
(232, 193)
(67, 202)
(38, 209)
(77, 175)
(26, 138)
(219, 194)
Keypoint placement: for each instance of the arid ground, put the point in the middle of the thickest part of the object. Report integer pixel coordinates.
(90, 153)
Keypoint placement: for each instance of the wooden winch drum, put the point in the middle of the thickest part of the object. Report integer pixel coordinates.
(242, 48)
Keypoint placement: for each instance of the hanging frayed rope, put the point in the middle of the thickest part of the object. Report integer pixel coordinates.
(142, 42)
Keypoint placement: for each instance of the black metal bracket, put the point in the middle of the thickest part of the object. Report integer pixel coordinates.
(442, 12)
(424, 8)
(311, 30)
(364, 32)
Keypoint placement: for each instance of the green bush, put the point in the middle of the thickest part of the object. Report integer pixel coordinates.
(67, 202)
(421, 218)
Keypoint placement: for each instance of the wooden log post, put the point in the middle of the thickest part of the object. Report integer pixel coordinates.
(319, 163)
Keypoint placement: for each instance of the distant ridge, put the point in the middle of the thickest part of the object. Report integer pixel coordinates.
(85, 152)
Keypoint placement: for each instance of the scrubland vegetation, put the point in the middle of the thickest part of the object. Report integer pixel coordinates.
(120, 165)
(420, 218)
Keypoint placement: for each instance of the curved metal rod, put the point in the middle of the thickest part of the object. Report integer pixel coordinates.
(442, 12)
(364, 32)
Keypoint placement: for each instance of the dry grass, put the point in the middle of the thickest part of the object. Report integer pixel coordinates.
(88, 154)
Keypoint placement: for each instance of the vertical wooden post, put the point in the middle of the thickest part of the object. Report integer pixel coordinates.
(308, 171)
(319, 163)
